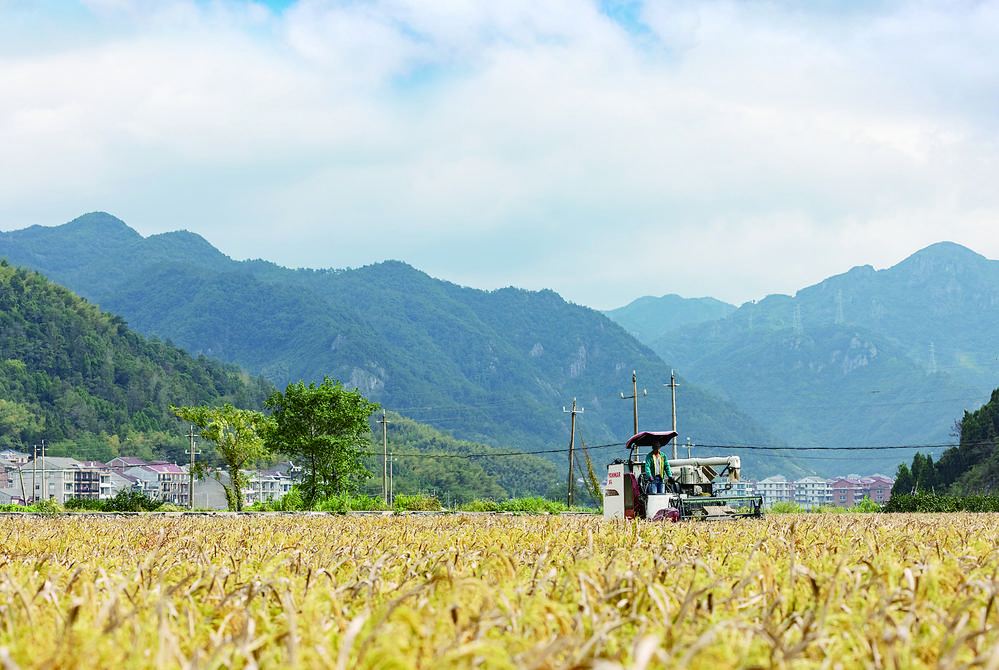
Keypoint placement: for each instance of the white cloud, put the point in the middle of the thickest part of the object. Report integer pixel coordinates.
(751, 148)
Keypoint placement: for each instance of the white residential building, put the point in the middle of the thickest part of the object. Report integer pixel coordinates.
(163, 481)
(775, 489)
(62, 479)
(739, 488)
(173, 483)
(812, 492)
(266, 485)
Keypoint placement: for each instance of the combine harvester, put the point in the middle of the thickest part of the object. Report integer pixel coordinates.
(693, 493)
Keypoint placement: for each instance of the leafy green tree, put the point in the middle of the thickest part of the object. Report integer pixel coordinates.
(238, 435)
(17, 419)
(923, 472)
(904, 483)
(323, 430)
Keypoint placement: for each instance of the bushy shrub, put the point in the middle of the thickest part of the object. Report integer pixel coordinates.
(931, 502)
(83, 504)
(534, 505)
(339, 504)
(365, 503)
(417, 504)
(171, 507)
(980, 503)
(866, 506)
(827, 509)
(289, 502)
(480, 506)
(131, 500)
(785, 507)
(345, 502)
(48, 507)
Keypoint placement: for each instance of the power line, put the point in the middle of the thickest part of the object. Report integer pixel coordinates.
(506, 453)
(720, 447)
(853, 448)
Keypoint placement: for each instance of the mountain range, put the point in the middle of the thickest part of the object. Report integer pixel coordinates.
(77, 382)
(868, 358)
(501, 368)
(884, 360)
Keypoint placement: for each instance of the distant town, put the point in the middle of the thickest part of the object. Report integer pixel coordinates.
(811, 492)
(814, 492)
(24, 480)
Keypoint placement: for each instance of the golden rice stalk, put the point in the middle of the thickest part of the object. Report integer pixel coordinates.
(498, 591)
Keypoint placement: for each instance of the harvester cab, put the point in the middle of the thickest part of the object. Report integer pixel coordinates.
(701, 488)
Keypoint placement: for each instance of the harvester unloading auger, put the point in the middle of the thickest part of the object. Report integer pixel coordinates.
(693, 492)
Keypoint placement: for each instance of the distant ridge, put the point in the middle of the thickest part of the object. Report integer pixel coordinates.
(866, 358)
(495, 367)
(649, 318)
(95, 252)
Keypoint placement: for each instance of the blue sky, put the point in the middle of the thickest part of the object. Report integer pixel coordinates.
(604, 149)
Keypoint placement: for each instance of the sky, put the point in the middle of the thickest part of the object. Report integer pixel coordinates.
(604, 149)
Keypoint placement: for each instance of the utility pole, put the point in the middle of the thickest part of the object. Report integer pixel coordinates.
(391, 483)
(672, 388)
(385, 491)
(20, 474)
(34, 470)
(192, 451)
(45, 474)
(634, 396)
(572, 440)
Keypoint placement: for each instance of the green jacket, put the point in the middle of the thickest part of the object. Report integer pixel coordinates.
(650, 466)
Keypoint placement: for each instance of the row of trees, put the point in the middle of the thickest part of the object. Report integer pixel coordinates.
(320, 428)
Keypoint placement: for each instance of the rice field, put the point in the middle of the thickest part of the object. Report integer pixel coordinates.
(499, 591)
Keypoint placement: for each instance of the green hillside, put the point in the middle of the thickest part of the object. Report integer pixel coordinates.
(973, 466)
(427, 462)
(494, 367)
(969, 469)
(89, 386)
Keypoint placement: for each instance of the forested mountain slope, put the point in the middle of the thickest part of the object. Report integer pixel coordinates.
(496, 367)
(93, 389)
(970, 468)
(427, 462)
(83, 381)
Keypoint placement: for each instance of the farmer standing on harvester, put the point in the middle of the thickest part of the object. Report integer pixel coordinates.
(657, 469)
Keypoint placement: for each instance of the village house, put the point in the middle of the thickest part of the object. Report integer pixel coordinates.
(775, 489)
(60, 479)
